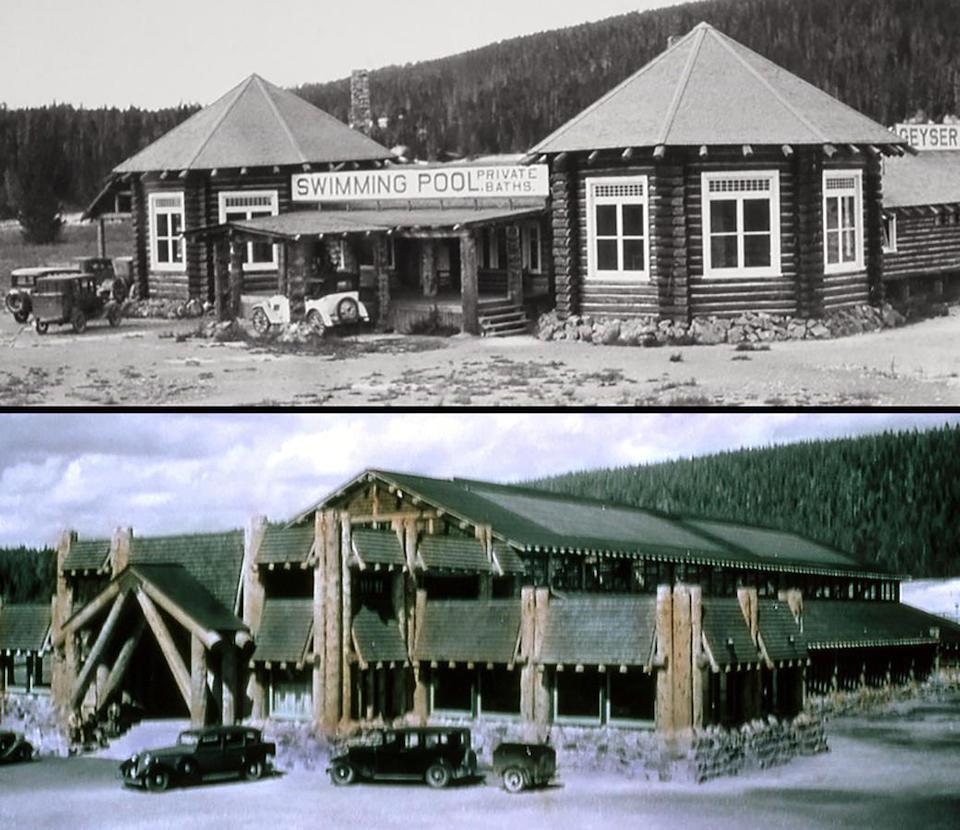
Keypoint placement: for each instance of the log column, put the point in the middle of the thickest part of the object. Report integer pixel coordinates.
(566, 240)
(333, 611)
(664, 659)
(346, 626)
(514, 265)
(221, 279)
(237, 250)
(198, 682)
(298, 271)
(873, 235)
(470, 283)
(697, 661)
(380, 261)
(681, 658)
(421, 692)
(228, 671)
(668, 244)
(141, 234)
(809, 231)
(428, 267)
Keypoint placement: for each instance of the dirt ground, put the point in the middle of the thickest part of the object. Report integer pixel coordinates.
(155, 363)
(889, 770)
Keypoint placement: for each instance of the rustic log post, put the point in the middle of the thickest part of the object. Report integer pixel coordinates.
(664, 657)
(253, 599)
(542, 692)
(681, 659)
(237, 251)
(101, 238)
(64, 657)
(810, 259)
(470, 283)
(319, 624)
(346, 627)
(421, 692)
(873, 237)
(120, 549)
(198, 682)
(228, 673)
(514, 264)
(747, 597)
(428, 267)
(565, 215)
(141, 234)
(528, 674)
(282, 281)
(221, 279)
(333, 612)
(380, 262)
(697, 662)
(298, 272)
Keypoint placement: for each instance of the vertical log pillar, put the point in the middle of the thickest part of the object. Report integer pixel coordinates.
(566, 238)
(696, 655)
(253, 599)
(380, 262)
(681, 659)
(346, 624)
(221, 279)
(664, 657)
(428, 267)
(668, 243)
(64, 659)
(470, 283)
(514, 265)
(421, 692)
(809, 171)
(198, 682)
(228, 672)
(298, 272)
(873, 236)
(319, 626)
(528, 674)
(543, 697)
(120, 549)
(237, 251)
(333, 611)
(282, 282)
(101, 238)
(141, 235)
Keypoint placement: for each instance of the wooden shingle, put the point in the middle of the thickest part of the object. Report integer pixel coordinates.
(600, 630)
(286, 544)
(781, 634)
(727, 634)
(24, 627)
(455, 553)
(378, 638)
(377, 547)
(473, 631)
(87, 554)
(851, 624)
(286, 631)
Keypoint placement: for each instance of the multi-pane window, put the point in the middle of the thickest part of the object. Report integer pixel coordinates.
(741, 224)
(889, 230)
(530, 240)
(842, 220)
(242, 206)
(166, 232)
(617, 213)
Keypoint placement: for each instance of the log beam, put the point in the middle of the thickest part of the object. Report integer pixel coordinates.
(207, 637)
(167, 646)
(122, 662)
(99, 646)
(228, 672)
(88, 613)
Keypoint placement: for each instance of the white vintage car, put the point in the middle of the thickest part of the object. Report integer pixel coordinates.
(328, 311)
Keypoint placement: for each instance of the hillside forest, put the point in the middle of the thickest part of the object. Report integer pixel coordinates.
(887, 58)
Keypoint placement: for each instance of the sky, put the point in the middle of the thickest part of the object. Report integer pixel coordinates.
(173, 473)
(156, 54)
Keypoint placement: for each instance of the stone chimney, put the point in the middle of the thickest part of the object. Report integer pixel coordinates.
(361, 114)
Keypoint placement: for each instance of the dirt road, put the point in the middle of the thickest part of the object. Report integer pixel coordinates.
(149, 363)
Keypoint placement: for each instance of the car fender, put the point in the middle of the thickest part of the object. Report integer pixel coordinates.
(277, 309)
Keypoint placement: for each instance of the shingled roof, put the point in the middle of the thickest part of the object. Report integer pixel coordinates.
(378, 638)
(600, 630)
(377, 547)
(212, 559)
(86, 554)
(184, 590)
(853, 624)
(471, 631)
(283, 543)
(256, 124)
(24, 627)
(929, 178)
(285, 633)
(456, 553)
(727, 634)
(780, 632)
(708, 89)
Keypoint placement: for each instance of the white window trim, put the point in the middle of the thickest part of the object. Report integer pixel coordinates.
(274, 206)
(592, 202)
(152, 213)
(775, 269)
(891, 248)
(529, 231)
(857, 193)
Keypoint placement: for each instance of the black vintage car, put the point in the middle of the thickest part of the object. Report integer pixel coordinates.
(435, 755)
(74, 300)
(521, 766)
(14, 747)
(199, 754)
(23, 282)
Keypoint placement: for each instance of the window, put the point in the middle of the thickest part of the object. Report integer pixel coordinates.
(631, 696)
(842, 221)
(578, 695)
(889, 229)
(617, 238)
(530, 242)
(166, 232)
(741, 224)
(453, 690)
(500, 691)
(242, 206)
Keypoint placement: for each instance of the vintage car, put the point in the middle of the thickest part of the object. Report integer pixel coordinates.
(14, 747)
(23, 281)
(213, 751)
(72, 299)
(522, 766)
(433, 754)
(329, 303)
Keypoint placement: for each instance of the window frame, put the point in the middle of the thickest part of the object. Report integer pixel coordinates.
(620, 275)
(274, 207)
(890, 221)
(838, 193)
(775, 268)
(153, 212)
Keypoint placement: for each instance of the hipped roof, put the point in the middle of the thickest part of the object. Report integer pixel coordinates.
(708, 89)
(256, 124)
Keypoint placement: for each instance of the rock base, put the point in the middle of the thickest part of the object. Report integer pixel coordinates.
(35, 717)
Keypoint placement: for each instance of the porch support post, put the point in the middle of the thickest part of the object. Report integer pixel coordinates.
(101, 238)
(421, 692)
(514, 265)
(682, 639)
(542, 693)
(198, 682)
(221, 278)
(228, 670)
(428, 267)
(319, 626)
(383, 278)
(469, 283)
(298, 271)
(696, 656)
(664, 657)
(236, 277)
(333, 610)
(346, 627)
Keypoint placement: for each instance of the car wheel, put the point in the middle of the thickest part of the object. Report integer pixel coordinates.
(113, 315)
(260, 321)
(342, 775)
(42, 327)
(158, 780)
(79, 321)
(119, 290)
(315, 321)
(438, 776)
(253, 770)
(513, 779)
(348, 311)
(25, 753)
(21, 316)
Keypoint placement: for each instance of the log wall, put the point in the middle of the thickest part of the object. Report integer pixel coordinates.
(927, 244)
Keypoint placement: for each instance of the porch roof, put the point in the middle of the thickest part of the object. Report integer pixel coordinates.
(24, 627)
(472, 631)
(599, 630)
(726, 633)
(286, 631)
(283, 544)
(780, 632)
(378, 638)
(332, 222)
(853, 624)
(455, 553)
(377, 547)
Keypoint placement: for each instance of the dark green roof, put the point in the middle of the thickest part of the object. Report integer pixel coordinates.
(24, 627)
(456, 553)
(600, 630)
(510, 561)
(378, 638)
(780, 632)
(727, 633)
(285, 632)
(185, 591)
(87, 554)
(842, 623)
(537, 520)
(378, 547)
(212, 559)
(286, 544)
(471, 631)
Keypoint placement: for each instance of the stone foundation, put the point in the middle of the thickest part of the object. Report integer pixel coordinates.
(865, 699)
(750, 328)
(34, 716)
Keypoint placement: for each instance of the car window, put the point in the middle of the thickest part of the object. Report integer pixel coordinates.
(187, 739)
(209, 740)
(252, 738)
(234, 739)
(432, 741)
(413, 740)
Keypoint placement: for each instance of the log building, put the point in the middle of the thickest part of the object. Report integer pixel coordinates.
(400, 598)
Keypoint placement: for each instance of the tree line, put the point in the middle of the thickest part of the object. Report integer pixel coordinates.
(27, 575)
(890, 499)
(887, 58)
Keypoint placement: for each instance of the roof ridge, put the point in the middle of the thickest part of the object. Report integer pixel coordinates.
(283, 121)
(240, 89)
(700, 32)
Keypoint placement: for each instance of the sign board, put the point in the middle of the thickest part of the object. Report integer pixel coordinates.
(412, 183)
(930, 136)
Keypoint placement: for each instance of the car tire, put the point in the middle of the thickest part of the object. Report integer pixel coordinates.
(42, 327)
(114, 315)
(315, 321)
(513, 779)
(343, 775)
(158, 780)
(119, 290)
(348, 311)
(25, 753)
(79, 321)
(438, 776)
(260, 321)
(21, 316)
(253, 769)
